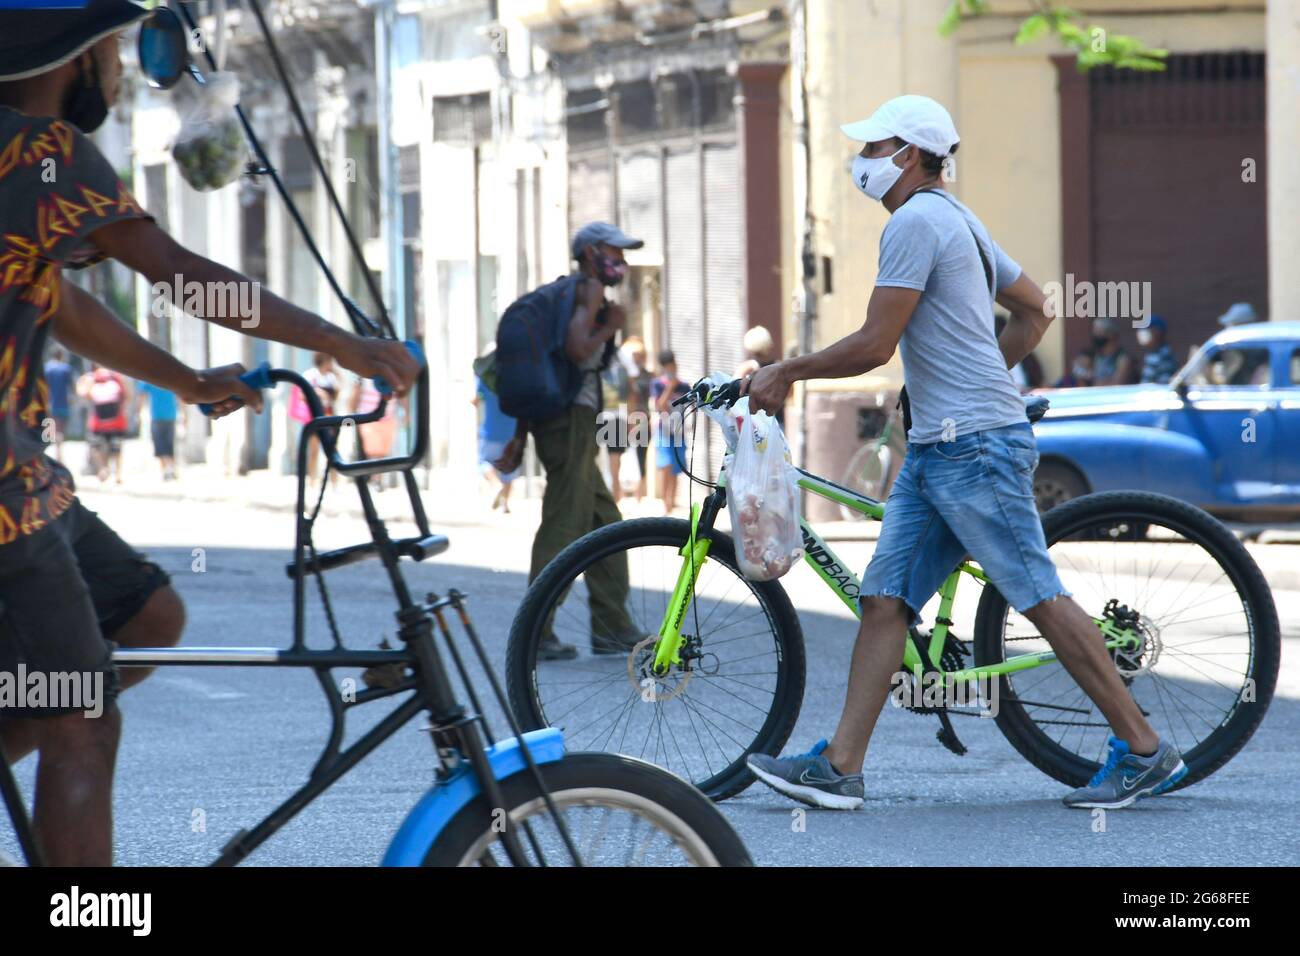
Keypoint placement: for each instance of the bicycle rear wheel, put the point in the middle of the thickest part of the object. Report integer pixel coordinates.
(1211, 642)
(737, 691)
(618, 811)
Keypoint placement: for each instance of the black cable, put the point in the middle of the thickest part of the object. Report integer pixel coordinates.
(362, 323)
(310, 141)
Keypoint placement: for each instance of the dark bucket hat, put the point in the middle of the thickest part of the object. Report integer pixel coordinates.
(37, 41)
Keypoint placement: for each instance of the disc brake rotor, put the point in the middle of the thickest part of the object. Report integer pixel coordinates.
(653, 687)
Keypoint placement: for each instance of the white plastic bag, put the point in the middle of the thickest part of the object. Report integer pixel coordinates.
(764, 492)
(210, 148)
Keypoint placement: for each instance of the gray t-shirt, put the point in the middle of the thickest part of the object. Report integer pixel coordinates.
(957, 379)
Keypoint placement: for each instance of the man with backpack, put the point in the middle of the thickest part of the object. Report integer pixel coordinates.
(552, 345)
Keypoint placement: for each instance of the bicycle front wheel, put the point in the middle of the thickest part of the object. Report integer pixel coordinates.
(618, 811)
(736, 692)
(1211, 644)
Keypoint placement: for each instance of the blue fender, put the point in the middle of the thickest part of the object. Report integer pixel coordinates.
(1114, 457)
(444, 800)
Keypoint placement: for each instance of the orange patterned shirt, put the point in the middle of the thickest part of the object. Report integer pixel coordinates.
(56, 188)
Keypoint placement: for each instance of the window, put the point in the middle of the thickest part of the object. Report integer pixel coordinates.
(462, 120)
(1248, 367)
(1295, 367)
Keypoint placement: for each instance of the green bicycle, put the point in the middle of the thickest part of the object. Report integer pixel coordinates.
(718, 671)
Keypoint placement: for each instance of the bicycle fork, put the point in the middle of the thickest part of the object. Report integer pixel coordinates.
(696, 553)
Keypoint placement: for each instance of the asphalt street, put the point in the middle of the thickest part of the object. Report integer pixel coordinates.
(207, 751)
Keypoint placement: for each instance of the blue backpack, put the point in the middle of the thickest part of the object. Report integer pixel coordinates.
(535, 379)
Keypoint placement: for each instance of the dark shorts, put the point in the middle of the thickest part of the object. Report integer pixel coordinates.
(107, 442)
(64, 592)
(164, 439)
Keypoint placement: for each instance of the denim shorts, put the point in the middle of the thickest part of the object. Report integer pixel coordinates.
(973, 496)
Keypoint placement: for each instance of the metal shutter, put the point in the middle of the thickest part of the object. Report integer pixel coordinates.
(591, 191)
(640, 199)
(684, 263)
(725, 300)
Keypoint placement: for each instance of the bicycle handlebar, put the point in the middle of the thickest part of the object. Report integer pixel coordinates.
(260, 378)
(707, 392)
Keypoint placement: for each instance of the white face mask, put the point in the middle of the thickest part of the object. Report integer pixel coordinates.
(1145, 338)
(876, 176)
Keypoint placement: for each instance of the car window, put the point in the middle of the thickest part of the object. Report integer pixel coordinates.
(1244, 367)
(1295, 367)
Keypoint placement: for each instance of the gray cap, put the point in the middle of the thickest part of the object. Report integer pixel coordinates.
(594, 233)
(1239, 313)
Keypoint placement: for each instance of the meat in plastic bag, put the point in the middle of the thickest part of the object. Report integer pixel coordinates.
(764, 492)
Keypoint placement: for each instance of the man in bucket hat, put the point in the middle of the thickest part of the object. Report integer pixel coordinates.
(68, 584)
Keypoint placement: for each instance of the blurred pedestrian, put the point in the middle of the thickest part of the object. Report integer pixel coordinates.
(162, 425)
(1159, 365)
(577, 500)
(494, 432)
(1111, 364)
(1239, 313)
(59, 378)
(325, 381)
(611, 423)
(670, 445)
(639, 378)
(760, 352)
(1079, 374)
(109, 399)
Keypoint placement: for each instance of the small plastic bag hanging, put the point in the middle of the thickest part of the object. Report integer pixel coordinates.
(764, 492)
(210, 148)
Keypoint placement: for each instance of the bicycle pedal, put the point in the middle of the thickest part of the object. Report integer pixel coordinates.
(948, 737)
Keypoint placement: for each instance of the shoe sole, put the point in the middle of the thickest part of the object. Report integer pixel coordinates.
(809, 796)
(1153, 791)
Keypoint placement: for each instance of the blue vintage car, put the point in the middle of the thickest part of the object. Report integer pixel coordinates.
(1224, 434)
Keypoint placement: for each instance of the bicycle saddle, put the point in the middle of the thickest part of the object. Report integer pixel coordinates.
(1036, 406)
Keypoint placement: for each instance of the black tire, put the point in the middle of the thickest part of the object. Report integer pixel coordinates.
(1055, 483)
(552, 584)
(1142, 511)
(592, 781)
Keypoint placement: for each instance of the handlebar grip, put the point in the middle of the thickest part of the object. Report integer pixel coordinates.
(416, 352)
(258, 378)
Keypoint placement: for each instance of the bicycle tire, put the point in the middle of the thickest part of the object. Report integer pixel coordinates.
(1138, 507)
(593, 781)
(542, 596)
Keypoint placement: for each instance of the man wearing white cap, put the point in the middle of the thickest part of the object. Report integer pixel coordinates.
(966, 486)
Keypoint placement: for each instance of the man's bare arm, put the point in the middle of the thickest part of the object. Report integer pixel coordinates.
(871, 346)
(142, 246)
(1030, 317)
(85, 326)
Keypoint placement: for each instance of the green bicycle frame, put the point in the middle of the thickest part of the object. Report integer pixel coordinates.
(846, 585)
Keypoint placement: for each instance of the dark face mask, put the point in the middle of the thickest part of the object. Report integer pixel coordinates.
(1100, 341)
(84, 107)
(609, 271)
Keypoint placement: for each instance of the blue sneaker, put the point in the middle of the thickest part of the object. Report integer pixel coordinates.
(809, 778)
(1125, 777)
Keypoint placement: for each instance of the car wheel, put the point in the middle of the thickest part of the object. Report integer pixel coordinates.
(1056, 483)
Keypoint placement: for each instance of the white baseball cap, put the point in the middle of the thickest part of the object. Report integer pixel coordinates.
(918, 120)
